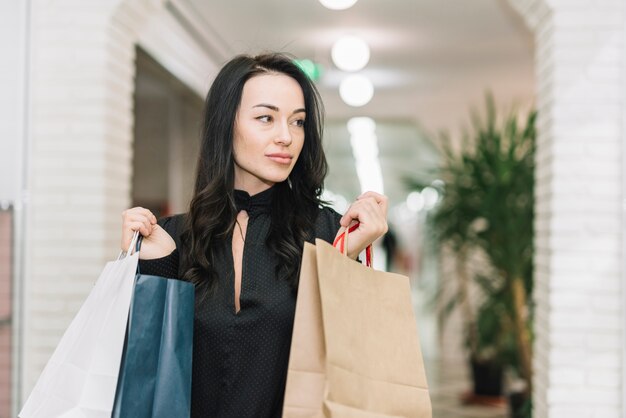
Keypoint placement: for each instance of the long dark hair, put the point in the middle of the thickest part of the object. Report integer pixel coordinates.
(212, 211)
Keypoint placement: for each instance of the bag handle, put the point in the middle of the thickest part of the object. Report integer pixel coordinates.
(341, 243)
(134, 244)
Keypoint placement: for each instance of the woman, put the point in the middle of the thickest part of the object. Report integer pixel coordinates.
(256, 201)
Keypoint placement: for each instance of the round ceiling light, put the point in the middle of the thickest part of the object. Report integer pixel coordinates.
(415, 201)
(361, 125)
(338, 4)
(350, 53)
(431, 197)
(356, 90)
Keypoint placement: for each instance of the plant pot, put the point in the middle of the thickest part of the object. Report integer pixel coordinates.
(487, 377)
(519, 405)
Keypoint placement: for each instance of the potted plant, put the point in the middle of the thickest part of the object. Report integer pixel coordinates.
(487, 206)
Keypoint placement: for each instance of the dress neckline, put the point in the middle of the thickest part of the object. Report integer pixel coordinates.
(258, 203)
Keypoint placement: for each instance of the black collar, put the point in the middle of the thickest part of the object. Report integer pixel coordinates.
(260, 202)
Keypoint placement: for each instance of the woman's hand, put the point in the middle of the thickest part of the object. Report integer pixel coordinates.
(370, 210)
(156, 242)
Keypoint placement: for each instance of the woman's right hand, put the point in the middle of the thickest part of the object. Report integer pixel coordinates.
(156, 242)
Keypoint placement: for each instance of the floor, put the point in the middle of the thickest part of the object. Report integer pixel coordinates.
(447, 380)
(447, 383)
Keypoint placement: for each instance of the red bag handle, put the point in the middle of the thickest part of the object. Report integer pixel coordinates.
(341, 243)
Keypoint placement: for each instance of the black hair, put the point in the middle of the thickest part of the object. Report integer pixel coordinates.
(212, 210)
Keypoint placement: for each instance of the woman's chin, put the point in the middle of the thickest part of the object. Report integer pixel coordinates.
(275, 177)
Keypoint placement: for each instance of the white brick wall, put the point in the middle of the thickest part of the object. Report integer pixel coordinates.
(82, 87)
(81, 130)
(581, 96)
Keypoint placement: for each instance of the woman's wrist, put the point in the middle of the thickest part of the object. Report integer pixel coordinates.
(354, 254)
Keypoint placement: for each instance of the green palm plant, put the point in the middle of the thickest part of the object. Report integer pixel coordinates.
(487, 204)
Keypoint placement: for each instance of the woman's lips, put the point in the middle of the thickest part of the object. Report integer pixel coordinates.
(280, 158)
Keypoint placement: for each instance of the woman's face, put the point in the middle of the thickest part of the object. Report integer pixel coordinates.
(269, 131)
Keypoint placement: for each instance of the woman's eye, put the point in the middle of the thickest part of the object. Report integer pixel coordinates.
(299, 123)
(265, 118)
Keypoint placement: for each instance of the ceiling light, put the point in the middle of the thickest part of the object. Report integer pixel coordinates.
(360, 125)
(365, 151)
(356, 90)
(364, 147)
(338, 4)
(415, 201)
(431, 197)
(370, 176)
(350, 53)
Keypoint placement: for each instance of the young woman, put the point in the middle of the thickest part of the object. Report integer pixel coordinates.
(256, 201)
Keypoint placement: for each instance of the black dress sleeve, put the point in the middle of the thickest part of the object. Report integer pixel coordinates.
(167, 266)
(327, 224)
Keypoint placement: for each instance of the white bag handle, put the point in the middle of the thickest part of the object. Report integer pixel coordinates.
(131, 247)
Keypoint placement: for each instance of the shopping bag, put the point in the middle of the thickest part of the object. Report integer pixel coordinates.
(80, 378)
(355, 349)
(155, 376)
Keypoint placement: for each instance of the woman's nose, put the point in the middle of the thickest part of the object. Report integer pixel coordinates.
(283, 136)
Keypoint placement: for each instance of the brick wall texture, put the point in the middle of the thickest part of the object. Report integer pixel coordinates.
(83, 56)
(581, 97)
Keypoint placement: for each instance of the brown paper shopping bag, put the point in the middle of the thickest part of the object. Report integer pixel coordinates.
(355, 350)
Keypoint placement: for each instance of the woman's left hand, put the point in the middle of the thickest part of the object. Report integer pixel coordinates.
(370, 210)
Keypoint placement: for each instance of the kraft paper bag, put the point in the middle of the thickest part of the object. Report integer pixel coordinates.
(80, 378)
(355, 351)
(155, 376)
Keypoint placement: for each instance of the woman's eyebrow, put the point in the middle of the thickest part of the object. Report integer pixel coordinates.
(275, 108)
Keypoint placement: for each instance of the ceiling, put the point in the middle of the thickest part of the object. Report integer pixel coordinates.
(431, 61)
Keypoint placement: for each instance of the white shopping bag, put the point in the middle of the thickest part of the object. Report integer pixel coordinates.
(80, 378)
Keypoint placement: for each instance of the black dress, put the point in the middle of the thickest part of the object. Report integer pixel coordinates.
(240, 359)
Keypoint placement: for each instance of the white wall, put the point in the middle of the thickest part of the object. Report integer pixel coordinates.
(580, 61)
(14, 84)
(83, 60)
(13, 75)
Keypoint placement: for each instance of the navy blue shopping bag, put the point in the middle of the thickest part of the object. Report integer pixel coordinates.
(155, 374)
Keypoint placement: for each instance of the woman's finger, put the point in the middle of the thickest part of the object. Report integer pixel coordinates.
(143, 229)
(137, 219)
(150, 216)
(137, 223)
(367, 212)
(354, 208)
(377, 212)
(143, 215)
(139, 211)
(373, 219)
(380, 199)
(129, 230)
(350, 215)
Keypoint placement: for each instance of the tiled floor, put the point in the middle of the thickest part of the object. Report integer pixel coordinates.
(447, 382)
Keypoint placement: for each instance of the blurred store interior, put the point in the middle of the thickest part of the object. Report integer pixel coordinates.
(495, 127)
(425, 67)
